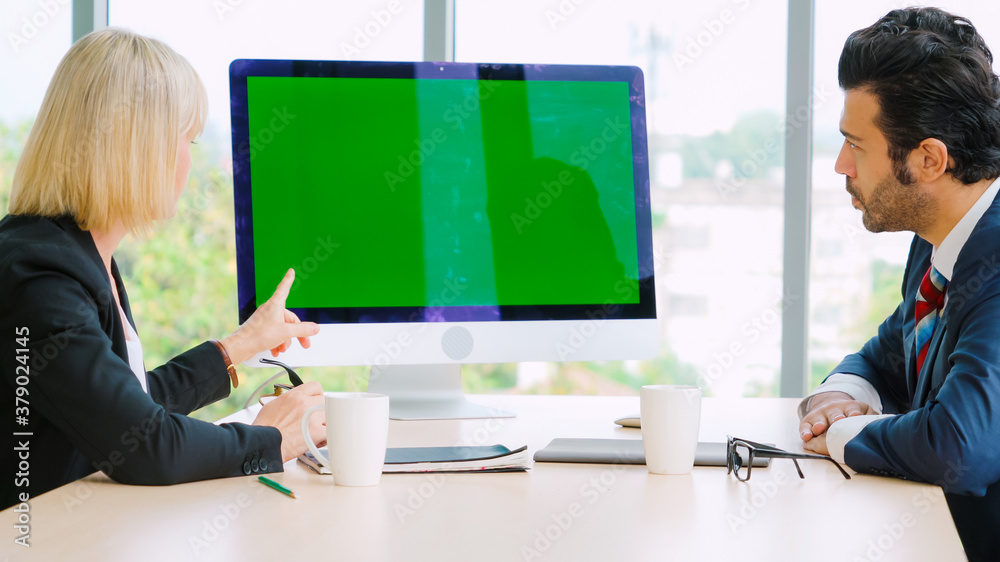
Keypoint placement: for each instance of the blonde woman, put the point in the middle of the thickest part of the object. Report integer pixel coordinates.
(108, 156)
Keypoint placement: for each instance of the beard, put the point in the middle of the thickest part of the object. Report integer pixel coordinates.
(896, 204)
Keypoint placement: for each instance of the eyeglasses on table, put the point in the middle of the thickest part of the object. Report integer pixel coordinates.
(741, 453)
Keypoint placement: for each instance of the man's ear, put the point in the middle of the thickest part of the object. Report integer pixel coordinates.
(929, 161)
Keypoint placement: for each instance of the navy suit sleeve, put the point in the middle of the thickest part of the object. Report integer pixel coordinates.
(951, 440)
(80, 386)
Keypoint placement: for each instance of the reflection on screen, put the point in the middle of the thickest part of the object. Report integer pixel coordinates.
(397, 192)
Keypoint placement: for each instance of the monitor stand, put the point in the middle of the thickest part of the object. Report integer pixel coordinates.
(427, 392)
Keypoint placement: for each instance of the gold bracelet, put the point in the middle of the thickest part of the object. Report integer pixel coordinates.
(229, 364)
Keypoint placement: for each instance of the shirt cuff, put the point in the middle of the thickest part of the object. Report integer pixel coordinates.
(856, 387)
(845, 429)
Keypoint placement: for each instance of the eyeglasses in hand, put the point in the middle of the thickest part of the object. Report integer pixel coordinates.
(292, 375)
(741, 453)
(255, 396)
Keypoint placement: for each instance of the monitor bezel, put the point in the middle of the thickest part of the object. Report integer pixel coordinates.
(241, 69)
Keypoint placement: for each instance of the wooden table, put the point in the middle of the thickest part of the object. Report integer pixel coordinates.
(552, 512)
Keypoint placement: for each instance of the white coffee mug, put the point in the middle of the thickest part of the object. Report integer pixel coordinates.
(357, 428)
(670, 416)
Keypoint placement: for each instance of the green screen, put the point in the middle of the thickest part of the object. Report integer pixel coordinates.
(399, 192)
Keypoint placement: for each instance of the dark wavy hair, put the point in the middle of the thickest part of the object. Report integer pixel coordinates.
(932, 74)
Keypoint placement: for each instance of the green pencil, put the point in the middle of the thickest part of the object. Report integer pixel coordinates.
(272, 484)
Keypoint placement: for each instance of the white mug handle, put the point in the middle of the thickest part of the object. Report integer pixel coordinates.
(309, 441)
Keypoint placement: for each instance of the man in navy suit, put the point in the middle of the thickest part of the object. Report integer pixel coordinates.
(921, 400)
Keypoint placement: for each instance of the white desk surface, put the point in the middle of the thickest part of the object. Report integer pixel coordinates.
(552, 512)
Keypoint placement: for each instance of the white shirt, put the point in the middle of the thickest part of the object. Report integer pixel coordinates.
(134, 352)
(943, 258)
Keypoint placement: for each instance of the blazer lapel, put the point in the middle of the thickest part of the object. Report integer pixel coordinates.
(121, 293)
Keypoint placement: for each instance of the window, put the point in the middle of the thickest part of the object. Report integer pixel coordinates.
(688, 305)
(693, 237)
(862, 278)
(37, 35)
(716, 154)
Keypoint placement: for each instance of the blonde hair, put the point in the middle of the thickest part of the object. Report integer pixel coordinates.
(103, 147)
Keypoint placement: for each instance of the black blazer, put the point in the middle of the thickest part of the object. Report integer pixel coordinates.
(84, 407)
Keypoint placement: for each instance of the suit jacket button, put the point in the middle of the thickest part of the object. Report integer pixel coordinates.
(246, 467)
(263, 465)
(255, 466)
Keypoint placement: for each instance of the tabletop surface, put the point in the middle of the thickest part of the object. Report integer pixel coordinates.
(554, 511)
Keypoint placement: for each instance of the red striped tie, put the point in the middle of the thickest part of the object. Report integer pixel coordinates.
(930, 299)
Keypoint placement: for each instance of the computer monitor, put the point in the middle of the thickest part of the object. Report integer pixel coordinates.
(445, 213)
